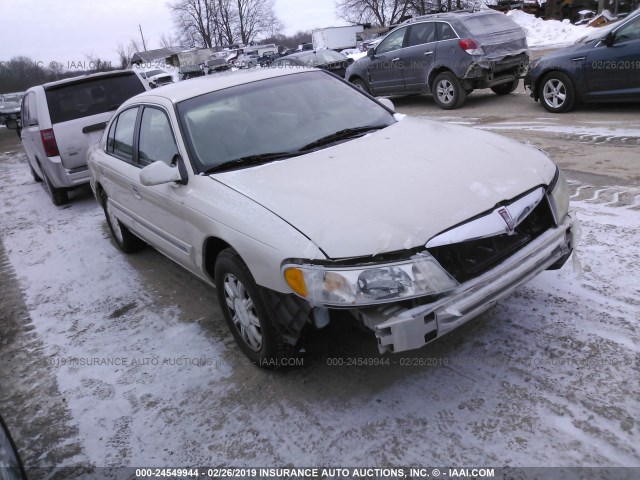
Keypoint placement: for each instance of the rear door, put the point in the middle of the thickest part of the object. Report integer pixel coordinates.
(419, 55)
(385, 70)
(80, 111)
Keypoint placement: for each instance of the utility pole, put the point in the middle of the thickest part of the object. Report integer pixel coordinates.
(143, 44)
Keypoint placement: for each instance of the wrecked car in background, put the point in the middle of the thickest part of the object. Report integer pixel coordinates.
(296, 194)
(447, 55)
(10, 106)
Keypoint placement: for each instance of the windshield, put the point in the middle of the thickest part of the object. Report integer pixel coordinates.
(278, 115)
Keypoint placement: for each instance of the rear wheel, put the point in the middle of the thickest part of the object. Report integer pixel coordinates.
(557, 92)
(246, 314)
(506, 88)
(59, 196)
(359, 84)
(126, 241)
(447, 91)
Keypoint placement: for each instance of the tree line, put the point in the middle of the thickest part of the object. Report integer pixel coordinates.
(390, 12)
(210, 23)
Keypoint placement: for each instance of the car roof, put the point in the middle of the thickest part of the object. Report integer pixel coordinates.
(91, 76)
(195, 87)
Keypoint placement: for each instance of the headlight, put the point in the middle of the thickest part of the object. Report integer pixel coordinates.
(558, 194)
(367, 285)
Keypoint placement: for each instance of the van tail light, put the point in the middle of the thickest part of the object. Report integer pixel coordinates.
(470, 46)
(49, 142)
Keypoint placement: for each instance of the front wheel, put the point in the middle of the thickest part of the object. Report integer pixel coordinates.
(126, 241)
(246, 314)
(557, 92)
(360, 85)
(447, 91)
(506, 88)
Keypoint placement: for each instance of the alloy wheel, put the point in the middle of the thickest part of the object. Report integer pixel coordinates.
(243, 312)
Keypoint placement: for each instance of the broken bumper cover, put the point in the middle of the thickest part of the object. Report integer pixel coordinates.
(398, 328)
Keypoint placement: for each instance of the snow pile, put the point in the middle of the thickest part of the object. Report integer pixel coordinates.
(546, 33)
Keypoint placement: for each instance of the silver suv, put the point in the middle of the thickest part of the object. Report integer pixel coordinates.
(447, 55)
(60, 120)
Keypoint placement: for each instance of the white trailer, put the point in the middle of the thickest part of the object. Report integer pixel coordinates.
(336, 38)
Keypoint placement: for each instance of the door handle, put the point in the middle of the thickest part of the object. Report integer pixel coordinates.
(397, 59)
(136, 193)
(428, 53)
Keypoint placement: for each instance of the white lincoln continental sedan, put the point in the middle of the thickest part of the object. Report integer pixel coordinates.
(296, 194)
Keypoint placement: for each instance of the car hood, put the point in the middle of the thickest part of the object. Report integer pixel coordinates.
(393, 189)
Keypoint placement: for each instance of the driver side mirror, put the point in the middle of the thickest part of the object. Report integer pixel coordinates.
(371, 53)
(609, 39)
(159, 173)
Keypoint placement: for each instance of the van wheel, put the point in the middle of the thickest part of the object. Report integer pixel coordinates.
(59, 196)
(506, 88)
(35, 176)
(246, 314)
(126, 241)
(447, 91)
(360, 85)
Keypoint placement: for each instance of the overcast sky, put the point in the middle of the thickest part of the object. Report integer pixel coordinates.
(68, 30)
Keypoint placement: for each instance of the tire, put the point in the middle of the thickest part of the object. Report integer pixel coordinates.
(246, 314)
(447, 91)
(557, 93)
(506, 88)
(35, 176)
(59, 196)
(360, 85)
(125, 240)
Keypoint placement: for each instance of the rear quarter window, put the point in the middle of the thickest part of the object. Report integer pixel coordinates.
(91, 97)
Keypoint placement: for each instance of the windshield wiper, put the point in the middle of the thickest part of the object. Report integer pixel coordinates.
(341, 135)
(250, 161)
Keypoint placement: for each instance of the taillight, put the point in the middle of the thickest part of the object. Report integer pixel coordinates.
(49, 143)
(470, 46)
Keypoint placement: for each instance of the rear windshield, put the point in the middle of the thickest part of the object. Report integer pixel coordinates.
(91, 97)
(488, 24)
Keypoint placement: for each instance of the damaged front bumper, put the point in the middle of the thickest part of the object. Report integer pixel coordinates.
(398, 328)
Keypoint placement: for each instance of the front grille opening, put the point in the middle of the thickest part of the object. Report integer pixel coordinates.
(467, 260)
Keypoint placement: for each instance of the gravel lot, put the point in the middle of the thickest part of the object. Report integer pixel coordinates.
(114, 360)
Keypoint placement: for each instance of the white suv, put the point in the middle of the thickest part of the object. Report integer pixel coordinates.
(60, 120)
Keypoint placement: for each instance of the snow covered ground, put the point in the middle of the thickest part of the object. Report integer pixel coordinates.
(142, 358)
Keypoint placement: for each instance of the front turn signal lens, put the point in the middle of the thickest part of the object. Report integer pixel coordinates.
(295, 279)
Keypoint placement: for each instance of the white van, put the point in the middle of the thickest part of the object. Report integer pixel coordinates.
(60, 120)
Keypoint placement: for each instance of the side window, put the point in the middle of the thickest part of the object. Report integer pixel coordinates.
(111, 136)
(156, 138)
(445, 32)
(32, 109)
(394, 41)
(24, 114)
(631, 31)
(123, 136)
(422, 33)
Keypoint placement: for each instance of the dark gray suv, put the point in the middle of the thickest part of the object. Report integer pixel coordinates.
(447, 55)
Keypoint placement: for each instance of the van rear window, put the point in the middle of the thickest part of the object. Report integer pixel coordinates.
(91, 97)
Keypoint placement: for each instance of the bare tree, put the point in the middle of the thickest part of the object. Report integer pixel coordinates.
(378, 12)
(226, 20)
(195, 20)
(167, 41)
(256, 18)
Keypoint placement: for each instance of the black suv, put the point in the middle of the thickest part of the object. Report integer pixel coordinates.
(447, 55)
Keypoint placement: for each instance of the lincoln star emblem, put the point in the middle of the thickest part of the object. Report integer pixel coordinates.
(506, 216)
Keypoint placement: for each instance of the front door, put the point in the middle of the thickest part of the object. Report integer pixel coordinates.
(385, 69)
